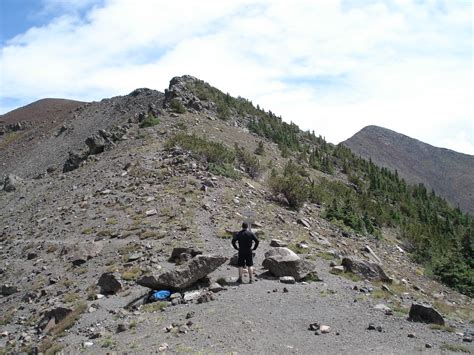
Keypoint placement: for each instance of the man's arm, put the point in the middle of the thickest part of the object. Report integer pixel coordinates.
(254, 238)
(234, 242)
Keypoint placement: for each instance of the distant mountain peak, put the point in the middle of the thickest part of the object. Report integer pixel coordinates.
(450, 174)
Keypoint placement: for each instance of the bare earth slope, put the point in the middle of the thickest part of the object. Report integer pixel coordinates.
(124, 210)
(41, 110)
(449, 173)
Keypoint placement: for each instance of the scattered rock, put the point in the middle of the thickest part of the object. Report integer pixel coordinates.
(411, 335)
(31, 256)
(287, 280)
(190, 315)
(368, 270)
(215, 287)
(278, 243)
(319, 239)
(382, 307)
(324, 329)
(205, 297)
(371, 252)
(11, 183)
(151, 212)
(285, 290)
(304, 222)
(183, 329)
(425, 314)
(109, 284)
(184, 275)
(428, 346)
(191, 296)
(8, 290)
(87, 344)
(163, 347)
(121, 328)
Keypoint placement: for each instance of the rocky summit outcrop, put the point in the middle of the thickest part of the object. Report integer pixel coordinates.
(284, 262)
(185, 275)
(371, 271)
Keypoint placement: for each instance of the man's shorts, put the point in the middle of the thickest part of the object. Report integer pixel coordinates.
(245, 258)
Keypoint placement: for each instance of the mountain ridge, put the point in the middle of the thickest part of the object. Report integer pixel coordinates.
(154, 172)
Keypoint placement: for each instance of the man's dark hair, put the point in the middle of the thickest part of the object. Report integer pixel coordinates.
(245, 225)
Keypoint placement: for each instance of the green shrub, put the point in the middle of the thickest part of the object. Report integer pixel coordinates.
(177, 106)
(149, 121)
(223, 111)
(260, 150)
(250, 162)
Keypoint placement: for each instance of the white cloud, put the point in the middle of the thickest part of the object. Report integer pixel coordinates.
(405, 65)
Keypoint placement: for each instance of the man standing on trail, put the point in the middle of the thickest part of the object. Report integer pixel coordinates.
(244, 239)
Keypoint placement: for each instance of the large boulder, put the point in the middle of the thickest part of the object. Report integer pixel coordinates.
(185, 275)
(371, 271)
(11, 183)
(284, 262)
(424, 314)
(109, 284)
(8, 290)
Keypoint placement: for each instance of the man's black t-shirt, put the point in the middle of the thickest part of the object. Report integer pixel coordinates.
(244, 239)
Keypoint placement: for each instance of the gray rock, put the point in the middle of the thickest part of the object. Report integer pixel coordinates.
(287, 280)
(319, 239)
(424, 314)
(368, 270)
(74, 160)
(8, 290)
(382, 307)
(109, 284)
(184, 275)
(79, 254)
(278, 243)
(304, 222)
(283, 262)
(11, 183)
(215, 287)
(206, 297)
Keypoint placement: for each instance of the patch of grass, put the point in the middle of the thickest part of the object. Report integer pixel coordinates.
(325, 255)
(222, 281)
(131, 274)
(311, 277)
(380, 294)
(69, 320)
(111, 221)
(9, 138)
(88, 231)
(226, 170)
(400, 310)
(104, 233)
(326, 292)
(149, 121)
(351, 276)
(108, 342)
(295, 248)
(7, 316)
(443, 328)
(49, 347)
(458, 348)
(133, 324)
(154, 307)
(71, 297)
(223, 234)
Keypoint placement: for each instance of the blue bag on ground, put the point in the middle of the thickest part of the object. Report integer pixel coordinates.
(160, 295)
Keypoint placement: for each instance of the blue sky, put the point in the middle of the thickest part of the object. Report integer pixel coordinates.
(330, 66)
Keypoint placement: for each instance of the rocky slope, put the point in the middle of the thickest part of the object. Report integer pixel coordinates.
(125, 209)
(449, 173)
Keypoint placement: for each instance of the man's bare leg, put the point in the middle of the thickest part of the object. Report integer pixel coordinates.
(250, 268)
(241, 271)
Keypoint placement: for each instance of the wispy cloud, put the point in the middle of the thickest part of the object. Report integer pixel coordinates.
(331, 66)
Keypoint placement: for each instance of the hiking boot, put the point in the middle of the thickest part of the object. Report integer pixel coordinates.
(239, 280)
(251, 281)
